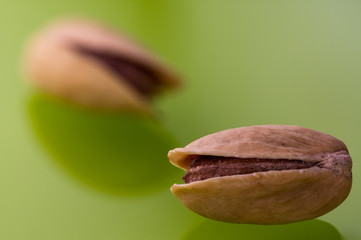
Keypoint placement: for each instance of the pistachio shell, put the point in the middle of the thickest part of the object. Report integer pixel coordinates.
(54, 65)
(263, 141)
(270, 197)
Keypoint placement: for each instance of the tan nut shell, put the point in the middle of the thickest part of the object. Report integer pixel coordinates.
(273, 197)
(55, 67)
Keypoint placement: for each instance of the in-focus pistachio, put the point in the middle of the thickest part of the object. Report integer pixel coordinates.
(270, 174)
(92, 65)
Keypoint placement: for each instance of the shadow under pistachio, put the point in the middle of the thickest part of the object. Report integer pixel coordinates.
(119, 153)
(311, 230)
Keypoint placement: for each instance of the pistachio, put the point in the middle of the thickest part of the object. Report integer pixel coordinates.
(92, 65)
(267, 174)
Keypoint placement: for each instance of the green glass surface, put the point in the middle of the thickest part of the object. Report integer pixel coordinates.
(313, 229)
(120, 153)
(243, 63)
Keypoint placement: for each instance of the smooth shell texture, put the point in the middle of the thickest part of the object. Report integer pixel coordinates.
(272, 197)
(263, 141)
(54, 65)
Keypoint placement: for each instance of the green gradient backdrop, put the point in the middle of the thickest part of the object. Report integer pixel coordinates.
(244, 62)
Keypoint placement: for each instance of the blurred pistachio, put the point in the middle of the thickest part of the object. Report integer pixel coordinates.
(92, 65)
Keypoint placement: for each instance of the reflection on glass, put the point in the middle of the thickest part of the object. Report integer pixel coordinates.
(312, 229)
(120, 153)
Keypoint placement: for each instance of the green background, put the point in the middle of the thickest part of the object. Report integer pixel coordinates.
(63, 169)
